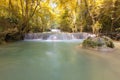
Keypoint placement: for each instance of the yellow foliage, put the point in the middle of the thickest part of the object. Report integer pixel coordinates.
(52, 11)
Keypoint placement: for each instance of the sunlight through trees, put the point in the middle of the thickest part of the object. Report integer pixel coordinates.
(67, 15)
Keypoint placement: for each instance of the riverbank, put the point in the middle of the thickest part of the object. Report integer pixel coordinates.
(11, 35)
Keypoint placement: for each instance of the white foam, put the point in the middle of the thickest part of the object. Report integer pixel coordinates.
(40, 40)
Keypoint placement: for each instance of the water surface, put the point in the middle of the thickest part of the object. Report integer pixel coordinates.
(56, 61)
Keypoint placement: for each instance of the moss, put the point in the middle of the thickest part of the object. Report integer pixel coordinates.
(110, 44)
(89, 43)
(98, 42)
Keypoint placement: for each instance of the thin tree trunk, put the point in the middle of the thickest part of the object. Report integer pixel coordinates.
(90, 14)
(22, 7)
(29, 17)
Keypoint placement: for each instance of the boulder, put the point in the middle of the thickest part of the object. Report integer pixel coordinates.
(15, 36)
(98, 43)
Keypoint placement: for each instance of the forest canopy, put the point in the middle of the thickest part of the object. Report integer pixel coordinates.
(67, 15)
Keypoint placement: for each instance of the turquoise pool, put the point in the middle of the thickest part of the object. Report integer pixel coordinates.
(29, 60)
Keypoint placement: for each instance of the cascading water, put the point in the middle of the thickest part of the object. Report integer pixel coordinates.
(61, 36)
(56, 34)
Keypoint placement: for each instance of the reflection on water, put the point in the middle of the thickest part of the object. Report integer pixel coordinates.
(56, 61)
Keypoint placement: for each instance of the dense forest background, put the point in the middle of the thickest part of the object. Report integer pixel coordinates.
(27, 16)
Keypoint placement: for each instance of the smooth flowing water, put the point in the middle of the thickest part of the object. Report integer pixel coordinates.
(56, 61)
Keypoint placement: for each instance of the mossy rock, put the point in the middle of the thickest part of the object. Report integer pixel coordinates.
(15, 36)
(98, 42)
(89, 43)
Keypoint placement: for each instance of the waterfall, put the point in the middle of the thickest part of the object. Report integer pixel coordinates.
(56, 36)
